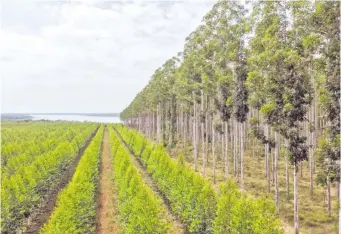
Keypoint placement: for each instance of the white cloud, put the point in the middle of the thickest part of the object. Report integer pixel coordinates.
(87, 56)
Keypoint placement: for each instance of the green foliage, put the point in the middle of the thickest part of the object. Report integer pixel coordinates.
(191, 196)
(237, 213)
(33, 167)
(328, 158)
(75, 210)
(139, 209)
(268, 109)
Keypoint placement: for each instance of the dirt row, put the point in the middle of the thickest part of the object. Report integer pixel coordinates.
(106, 208)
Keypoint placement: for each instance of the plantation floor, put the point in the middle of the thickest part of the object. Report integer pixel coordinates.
(106, 209)
(313, 210)
(177, 226)
(43, 213)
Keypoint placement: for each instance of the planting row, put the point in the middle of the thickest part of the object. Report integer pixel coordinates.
(25, 187)
(75, 211)
(22, 141)
(42, 144)
(140, 211)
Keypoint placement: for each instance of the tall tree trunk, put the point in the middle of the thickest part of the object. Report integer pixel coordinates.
(235, 148)
(276, 171)
(203, 134)
(226, 150)
(266, 129)
(185, 132)
(296, 215)
(242, 156)
(213, 154)
(206, 130)
(272, 160)
(287, 171)
(195, 136)
(311, 170)
(328, 195)
(223, 158)
(158, 123)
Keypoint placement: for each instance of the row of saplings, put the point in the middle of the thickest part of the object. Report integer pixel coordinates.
(194, 200)
(139, 209)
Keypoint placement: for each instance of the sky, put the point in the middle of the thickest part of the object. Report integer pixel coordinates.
(87, 55)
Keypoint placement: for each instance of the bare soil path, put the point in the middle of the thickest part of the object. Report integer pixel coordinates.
(177, 226)
(40, 216)
(106, 209)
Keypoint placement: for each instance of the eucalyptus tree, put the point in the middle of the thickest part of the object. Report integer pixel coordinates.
(287, 85)
(192, 72)
(326, 21)
(228, 20)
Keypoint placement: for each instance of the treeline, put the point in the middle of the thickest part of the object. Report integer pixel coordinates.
(269, 75)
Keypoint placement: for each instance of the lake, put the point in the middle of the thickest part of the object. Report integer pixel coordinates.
(79, 118)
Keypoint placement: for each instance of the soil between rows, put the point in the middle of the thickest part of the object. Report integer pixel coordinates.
(106, 211)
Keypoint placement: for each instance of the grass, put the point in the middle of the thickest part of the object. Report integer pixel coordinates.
(312, 209)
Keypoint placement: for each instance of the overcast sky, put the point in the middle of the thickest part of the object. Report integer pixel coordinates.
(90, 55)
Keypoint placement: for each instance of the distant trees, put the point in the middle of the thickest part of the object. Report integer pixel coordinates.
(273, 72)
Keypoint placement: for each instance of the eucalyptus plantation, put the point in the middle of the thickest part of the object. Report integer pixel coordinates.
(264, 74)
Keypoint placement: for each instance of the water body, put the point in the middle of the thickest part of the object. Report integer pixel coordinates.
(79, 118)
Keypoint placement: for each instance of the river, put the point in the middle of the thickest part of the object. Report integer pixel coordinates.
(79, 118)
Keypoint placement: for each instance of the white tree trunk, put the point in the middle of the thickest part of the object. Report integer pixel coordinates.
(296, 215)
(203, 135)
(242, 157)
(328, 196)
(287, 170)
(235, 142)
(266, 129)
(226, 150)
(276, 171)
(213, 153)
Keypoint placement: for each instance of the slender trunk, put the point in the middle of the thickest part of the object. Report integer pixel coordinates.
(213, 153)
(206, 130)
(272, 160)
(301, 163)
(185, 131)
(203, 134)
(276, 171)
(338, 190)
(311, 165)
(226, 150)
(197, 134)
(287, 171)
(194, 135)
(235, 148)
(222, 149)
(158, 124)
(316, 130)
(266, 128)
(296, 215)
(242, 157)
(328, 195)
